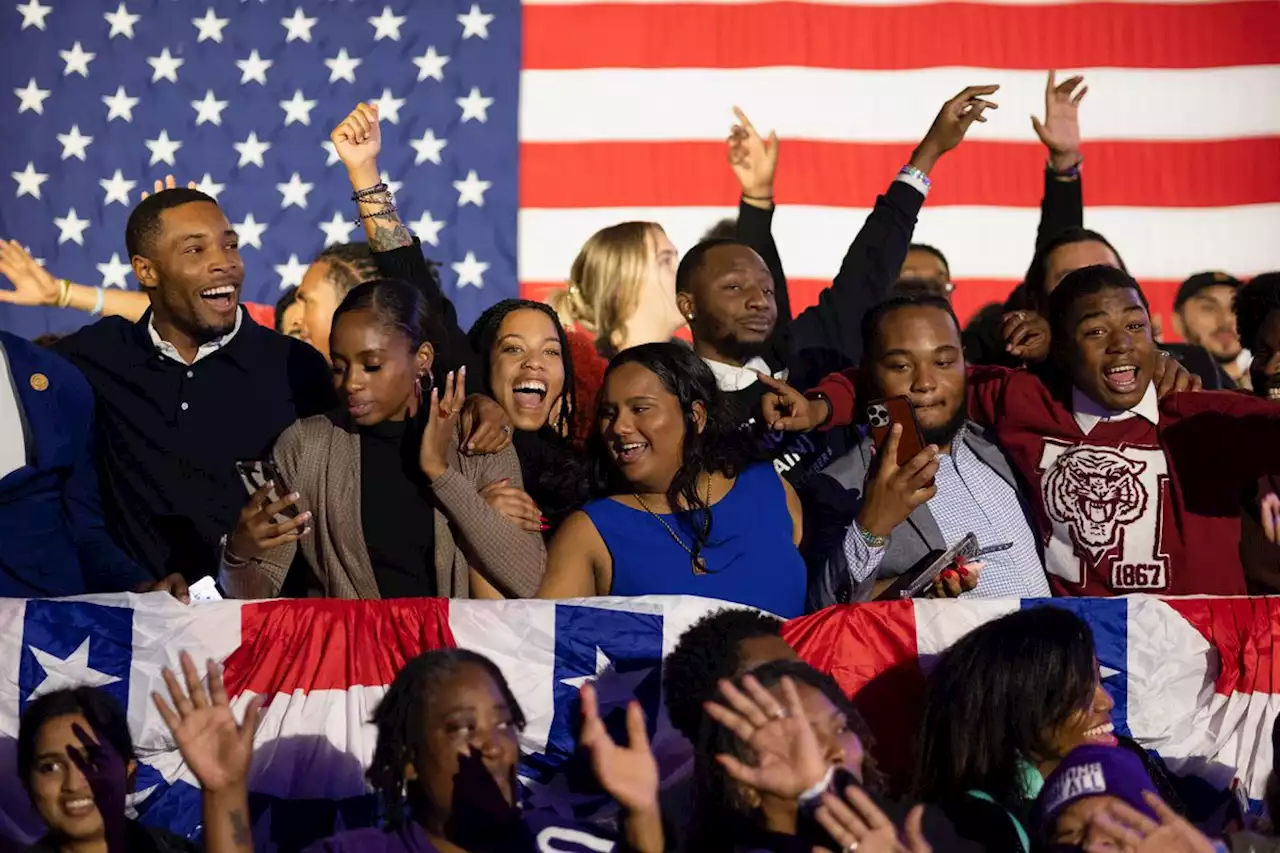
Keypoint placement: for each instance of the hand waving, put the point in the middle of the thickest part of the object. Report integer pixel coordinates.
(1129, 829)
(32, 283)
(105, 771)
(785, 408)
(628, 773)
(167, 184)
(1060, 130)
(789, 760)
(358, 137)
(952, 123)
(442, 424)
(215, 747)
(856, 822)
(754, 159)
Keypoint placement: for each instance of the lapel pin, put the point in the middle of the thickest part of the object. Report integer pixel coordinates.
(39, 382)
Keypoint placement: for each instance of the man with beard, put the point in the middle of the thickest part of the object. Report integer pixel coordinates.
(188, 390)
(1204, 315)
(961, 483)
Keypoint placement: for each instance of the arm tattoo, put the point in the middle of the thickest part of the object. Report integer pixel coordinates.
(240, 833)
(387, 233)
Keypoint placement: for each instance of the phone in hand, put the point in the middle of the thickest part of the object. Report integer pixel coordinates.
(205, 589)
(883, 414)
(917, 581)
(257, 473)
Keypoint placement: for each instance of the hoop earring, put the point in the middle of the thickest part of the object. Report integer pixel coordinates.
(417, 389)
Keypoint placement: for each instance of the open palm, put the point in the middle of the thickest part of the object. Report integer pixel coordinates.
(216, 748)
(1060, 130)
(628, 773)
(754, 158)
(32, 283)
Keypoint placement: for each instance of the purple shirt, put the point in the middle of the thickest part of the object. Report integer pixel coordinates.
(544, 832)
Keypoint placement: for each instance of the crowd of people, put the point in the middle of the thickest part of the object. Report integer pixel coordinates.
(584, 448)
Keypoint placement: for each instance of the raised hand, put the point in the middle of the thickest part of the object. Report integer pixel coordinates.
(1129, 829)
(358, 138)
(952, 123)
(856, 822)
(216, 748)
(1060, 130)
(788, 758)
(515, 505)
(785, 408)
(894, 491)
(628, 773)
(32, 283)
(167, 184)
(754, 159)
(107, 774)
(1026, 335)
(256, 530)
(442, 424)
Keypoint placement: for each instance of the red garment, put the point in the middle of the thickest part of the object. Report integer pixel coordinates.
(1132, 507)
(588, 376)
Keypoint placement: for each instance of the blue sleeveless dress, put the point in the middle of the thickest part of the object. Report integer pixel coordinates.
(750, 559)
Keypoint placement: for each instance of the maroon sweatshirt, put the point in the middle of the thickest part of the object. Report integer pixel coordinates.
(1132, 506)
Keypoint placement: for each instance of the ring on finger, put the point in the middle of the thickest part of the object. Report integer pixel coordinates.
(778, 713)
(851, 846)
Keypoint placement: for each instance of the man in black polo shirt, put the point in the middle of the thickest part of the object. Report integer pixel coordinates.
(188, 390)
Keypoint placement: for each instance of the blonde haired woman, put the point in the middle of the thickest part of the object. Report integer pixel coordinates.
(621, 293)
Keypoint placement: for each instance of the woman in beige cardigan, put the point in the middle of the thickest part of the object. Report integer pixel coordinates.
(387, 506)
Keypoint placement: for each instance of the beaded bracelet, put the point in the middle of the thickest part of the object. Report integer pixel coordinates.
(910, 171)
(1068, 174)
(361, 195)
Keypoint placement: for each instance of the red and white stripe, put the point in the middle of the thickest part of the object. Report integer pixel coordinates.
(624, 108)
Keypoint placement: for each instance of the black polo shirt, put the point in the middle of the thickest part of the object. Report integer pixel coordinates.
(171, 433)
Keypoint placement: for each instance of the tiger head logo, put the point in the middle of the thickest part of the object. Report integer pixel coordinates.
(1094, 491)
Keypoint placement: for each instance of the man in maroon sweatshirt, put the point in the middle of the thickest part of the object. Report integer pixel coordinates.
(1133, 494)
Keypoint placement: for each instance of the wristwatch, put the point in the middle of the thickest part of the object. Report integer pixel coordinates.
(872, 540)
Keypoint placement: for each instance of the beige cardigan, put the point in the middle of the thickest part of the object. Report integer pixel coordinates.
(319, 458)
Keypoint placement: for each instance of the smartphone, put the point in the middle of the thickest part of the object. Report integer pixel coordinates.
(883, 414)
(916, 582)
(257, 473)
(205, 589)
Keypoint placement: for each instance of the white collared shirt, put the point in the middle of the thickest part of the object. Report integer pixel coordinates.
(170, 351)
(1089, 414)
(13, 442)
(732, 378)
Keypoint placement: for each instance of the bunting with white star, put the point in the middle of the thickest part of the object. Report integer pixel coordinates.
(239, 97)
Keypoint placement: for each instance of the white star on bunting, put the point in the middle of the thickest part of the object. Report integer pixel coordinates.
(165, 66)
(121, 22)
(114, 272)
(299, 26)
(29, 181)
(117, 189)
(387, 25)
(209, 109)
(427, 229)
(342, 67)
(474, 106)
(331, 153)
(297, 109)
(254, 69)
(428, 148)
(120, 105)
(71, 671)
(251, 150)
(31, 98)
(209, 187)
(74, 143)
(617, 688)
(389, 106)
(77, 60)
(337, 229)
(71, 228)
(250, 232)
(471, 189)
(210, 26)
(470, 272)
(392, 186)
(162, 148)
(290, 273)
(475, 23)
(33, 14)
(294, 192)
(431, 64)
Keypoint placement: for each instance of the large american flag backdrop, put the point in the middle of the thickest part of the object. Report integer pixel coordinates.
(517, 129)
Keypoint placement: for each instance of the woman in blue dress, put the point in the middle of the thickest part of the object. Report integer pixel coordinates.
(686, 511)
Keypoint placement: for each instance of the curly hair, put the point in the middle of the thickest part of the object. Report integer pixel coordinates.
(1254, 303)
(400, 718)
(707, 652)
(720, 447)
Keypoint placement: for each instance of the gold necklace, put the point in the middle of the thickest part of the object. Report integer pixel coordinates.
(696, 561)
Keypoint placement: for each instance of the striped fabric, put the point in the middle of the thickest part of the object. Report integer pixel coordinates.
(624, 108)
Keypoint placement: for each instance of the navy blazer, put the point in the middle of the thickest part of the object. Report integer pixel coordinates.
(54, 539)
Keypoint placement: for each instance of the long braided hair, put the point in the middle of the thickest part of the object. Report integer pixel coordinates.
(400, 718)
(720, 447)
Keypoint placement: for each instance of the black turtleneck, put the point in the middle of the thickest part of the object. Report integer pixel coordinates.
(397, 510)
